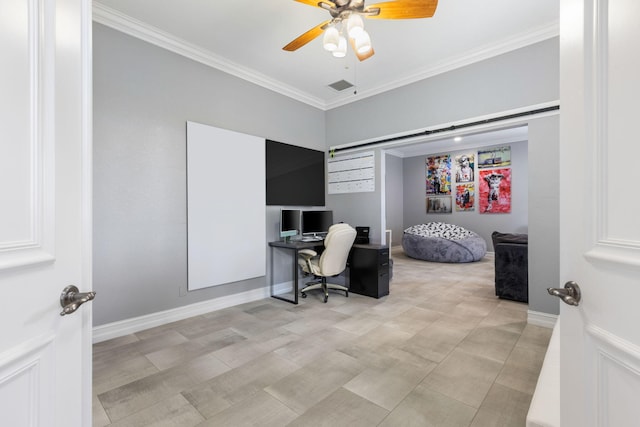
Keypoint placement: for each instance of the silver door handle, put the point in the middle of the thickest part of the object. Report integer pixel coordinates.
(570, 294)
(71, 299)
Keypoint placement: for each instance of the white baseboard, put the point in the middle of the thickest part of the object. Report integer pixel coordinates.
(538, 318)
(135, 324)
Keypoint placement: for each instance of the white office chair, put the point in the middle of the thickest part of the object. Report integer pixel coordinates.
(331, 262)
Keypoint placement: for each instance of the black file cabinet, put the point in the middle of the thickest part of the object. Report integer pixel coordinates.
(369, 270)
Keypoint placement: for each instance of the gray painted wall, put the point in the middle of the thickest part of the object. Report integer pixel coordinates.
(482, 223)
(394, 197)
(544, 213)
(520, 78)
(361, 209)
(143, 96)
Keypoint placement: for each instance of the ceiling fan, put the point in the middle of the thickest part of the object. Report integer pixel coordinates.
(346, 21)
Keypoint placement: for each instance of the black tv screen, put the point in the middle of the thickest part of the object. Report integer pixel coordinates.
(295, 175)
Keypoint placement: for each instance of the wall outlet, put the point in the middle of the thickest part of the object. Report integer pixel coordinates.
(182, 291)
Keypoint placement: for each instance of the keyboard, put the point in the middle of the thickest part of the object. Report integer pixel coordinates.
(311, 239)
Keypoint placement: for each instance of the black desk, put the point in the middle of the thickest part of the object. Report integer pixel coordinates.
(367, 268)
(294, 246)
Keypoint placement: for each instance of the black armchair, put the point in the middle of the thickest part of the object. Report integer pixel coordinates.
(511, 266)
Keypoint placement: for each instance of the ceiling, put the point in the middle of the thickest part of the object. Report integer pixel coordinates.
(245, 38)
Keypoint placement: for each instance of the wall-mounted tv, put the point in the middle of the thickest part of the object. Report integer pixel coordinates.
(295, 175)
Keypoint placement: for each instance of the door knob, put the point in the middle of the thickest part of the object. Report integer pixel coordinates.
(71, 299)
(570, 294)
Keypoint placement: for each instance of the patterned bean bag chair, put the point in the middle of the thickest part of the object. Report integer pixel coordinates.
(441, 242)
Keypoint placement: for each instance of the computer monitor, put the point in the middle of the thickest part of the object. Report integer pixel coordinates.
(289, 222)
(316, 222)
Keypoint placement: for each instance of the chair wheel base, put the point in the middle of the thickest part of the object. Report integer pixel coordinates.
(303, 295)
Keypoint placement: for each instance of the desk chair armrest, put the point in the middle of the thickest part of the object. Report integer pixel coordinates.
(307, 253)
(305, 260)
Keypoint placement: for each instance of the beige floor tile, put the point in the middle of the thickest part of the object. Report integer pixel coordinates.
(386, 388)
(493, 343)
(535, 338)
(384, 336)
(414, 320)
(100, 418)
(465, 377)
(309, 385)
(358, 325)
(137, 395)
(231, 387)
(503, 407)
(434, 342)
(261, 409)
(124, 368)
(522, 368)
(111, 345)
(341, 408)
(171, 412)
(427, 408)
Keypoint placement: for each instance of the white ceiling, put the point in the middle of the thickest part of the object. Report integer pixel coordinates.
(245, 38)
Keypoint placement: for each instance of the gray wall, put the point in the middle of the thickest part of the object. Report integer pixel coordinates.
(394, 199)
(544, 213)
(517, 79)
(483, 224)
(520, 78)
(143, 96)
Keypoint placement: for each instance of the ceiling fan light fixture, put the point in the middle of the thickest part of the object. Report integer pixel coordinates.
(331, 38)
(363, 43)
(355, 25)
(341, 50)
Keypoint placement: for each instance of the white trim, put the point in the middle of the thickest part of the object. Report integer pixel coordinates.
(118, 21)
(538, 318)
(135, 324)
(441, 135)
(544, 410)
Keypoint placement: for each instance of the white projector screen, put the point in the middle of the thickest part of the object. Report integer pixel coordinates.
(225, 206)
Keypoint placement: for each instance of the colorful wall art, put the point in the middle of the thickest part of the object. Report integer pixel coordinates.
(464, 168)
(439, 204)
(465, 197)
(494, 157)
(438, 174)
(495, 191)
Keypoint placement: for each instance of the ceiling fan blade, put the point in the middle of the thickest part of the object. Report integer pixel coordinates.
(361, 56)
(403, 9)
(306, 37)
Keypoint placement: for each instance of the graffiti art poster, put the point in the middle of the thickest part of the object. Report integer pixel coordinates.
(438, 174)
(494, 157)
(495, 191)
(464, 167)
(465, 197)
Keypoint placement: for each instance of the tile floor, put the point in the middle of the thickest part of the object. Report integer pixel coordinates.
(440, 350)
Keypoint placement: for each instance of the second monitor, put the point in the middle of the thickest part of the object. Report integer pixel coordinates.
(316, 223)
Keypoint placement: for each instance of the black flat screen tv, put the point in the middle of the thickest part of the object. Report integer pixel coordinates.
(295, 175)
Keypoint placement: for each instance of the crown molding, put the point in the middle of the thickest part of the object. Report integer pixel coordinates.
(118, 21)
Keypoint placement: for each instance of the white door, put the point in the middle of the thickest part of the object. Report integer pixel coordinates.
(600, 204)
(45, 189)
